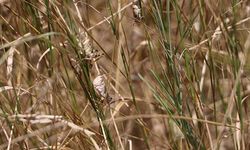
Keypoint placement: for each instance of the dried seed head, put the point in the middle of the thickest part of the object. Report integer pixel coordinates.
(137, 10)
(100, 87)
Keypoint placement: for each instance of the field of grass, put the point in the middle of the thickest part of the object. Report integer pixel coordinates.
(125, 74)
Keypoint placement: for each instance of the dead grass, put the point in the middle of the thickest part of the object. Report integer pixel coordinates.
(98, 75)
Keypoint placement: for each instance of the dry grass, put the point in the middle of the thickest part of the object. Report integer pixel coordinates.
(126, 75)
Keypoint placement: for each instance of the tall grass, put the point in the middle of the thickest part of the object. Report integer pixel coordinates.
(124, 74)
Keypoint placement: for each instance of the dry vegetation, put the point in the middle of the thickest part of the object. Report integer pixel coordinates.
(118, 74)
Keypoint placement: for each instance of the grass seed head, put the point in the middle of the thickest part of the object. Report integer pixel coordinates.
(100, 86)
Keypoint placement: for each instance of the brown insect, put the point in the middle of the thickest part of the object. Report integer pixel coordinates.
(137, 10)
